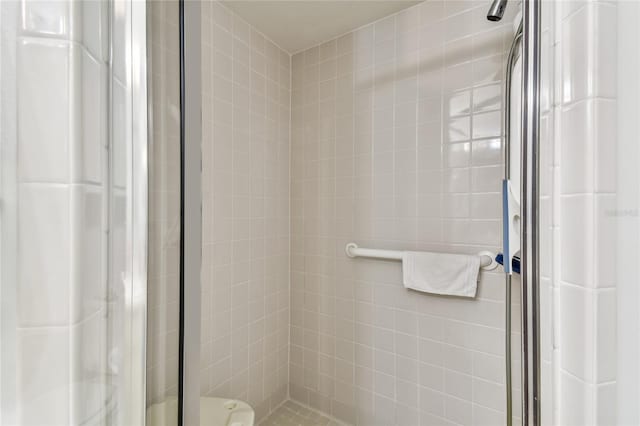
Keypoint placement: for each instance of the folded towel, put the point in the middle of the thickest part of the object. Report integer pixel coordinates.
(441, 273)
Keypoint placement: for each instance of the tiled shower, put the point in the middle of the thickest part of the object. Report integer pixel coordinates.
(395, 140)
(245, 211)
(389, 135)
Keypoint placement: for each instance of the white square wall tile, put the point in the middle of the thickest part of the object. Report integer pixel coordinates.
(43, 391)
(606, 336)
(488, 367)
(588, 147)
(576, 404)
(605, 240)
(606, 47)
(578, 340)
(588, 44)
(486, 152)
(458, 410)
(547, 64)
(90, 105)
(44, 109)
(43, 255)
(606, 408)
(95, 21)
(88, 250)
(483, 416)
(488, 394)
(577, 50)
(487, 125)
(605, 145)
(577, 145)
(89, 368)
(577, 240)
(546, 154)
(57, 18)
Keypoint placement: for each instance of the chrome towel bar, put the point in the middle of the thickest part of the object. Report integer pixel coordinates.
(487, 258)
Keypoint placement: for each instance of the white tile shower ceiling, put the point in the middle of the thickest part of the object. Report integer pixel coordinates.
(298, 25)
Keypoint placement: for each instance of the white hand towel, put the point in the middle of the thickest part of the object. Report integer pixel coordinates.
(441, 273)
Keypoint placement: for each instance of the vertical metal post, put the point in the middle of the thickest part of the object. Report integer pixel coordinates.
(529, 214)
(511, 60)
(191, 212)
(135, 299)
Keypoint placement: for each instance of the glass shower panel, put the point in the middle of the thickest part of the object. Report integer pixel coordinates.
(390, 137)
(164, 212)
(71, 244)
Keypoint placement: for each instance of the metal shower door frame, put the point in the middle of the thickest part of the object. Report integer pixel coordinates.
(530, 190)
(190, 211)
(133, 396)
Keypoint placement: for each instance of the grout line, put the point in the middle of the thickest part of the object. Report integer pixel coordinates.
(322, 413)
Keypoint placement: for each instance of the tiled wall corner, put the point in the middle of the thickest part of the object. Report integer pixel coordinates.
(245, 269)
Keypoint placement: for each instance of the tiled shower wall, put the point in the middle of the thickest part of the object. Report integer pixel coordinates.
(55, 181)
(396, 144)
(245, 151)
(579, 138)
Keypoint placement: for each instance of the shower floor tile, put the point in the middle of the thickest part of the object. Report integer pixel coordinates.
(293, 414)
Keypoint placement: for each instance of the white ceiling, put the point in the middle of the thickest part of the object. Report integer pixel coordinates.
(297, 25)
